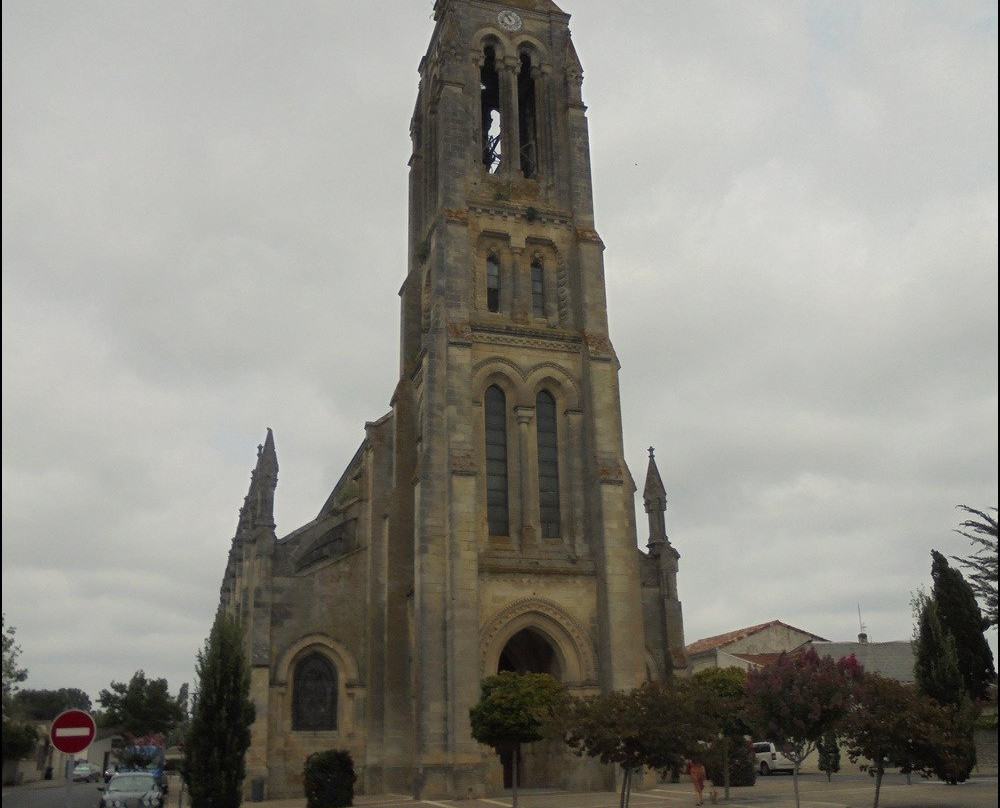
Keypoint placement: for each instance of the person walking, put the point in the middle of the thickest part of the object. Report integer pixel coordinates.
(697, 772)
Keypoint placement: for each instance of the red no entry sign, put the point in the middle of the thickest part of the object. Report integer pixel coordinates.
(72, 731)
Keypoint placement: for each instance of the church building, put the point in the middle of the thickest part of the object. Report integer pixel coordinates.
(486, 522)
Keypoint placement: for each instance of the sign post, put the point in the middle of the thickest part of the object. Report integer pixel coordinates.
(72, 732)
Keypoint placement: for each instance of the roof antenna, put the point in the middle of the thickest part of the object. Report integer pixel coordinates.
(862, 635)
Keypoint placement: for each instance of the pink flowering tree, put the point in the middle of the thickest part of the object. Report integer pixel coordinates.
(799, 698)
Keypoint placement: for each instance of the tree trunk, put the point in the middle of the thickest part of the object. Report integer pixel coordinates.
(795, 783)
(514, 774)
(879, 771)
(725, 765)
(626, 797)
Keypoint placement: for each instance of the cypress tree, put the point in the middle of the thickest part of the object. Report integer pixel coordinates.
(960, 616)
(219, 736)
(936, 666)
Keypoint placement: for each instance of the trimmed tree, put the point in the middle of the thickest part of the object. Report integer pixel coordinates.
(216, 744)
(656, 725)
(798, 699)
(982, 564)
(721, 695)
(516, 708)
(960, 616)
(829, 754)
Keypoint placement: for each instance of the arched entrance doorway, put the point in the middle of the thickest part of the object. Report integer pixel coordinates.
(530, 651)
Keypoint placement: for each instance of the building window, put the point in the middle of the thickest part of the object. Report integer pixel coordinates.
(314, 695)
(527, 117)
(548, 465)
(492, 282)
(489, 97)
(537, 287)
(497, 507)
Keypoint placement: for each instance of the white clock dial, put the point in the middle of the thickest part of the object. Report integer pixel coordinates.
(510, 20)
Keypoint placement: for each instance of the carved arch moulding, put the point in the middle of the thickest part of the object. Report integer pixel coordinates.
(569, 640)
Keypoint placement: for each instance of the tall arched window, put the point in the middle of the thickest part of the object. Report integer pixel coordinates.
(548, 465)
(489, 101)
(497, 507)
(537, 287)
(492, 282)
(527, 117)
(314, 695)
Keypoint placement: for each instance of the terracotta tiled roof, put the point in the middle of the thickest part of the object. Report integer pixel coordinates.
(722, 640)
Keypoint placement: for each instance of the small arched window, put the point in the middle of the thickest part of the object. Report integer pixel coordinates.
(314, 695)
(537, 287)
(497, 507)
(492, 282)
(549, 515)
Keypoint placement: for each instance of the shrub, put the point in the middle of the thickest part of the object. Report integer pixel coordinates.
(329, 779)
(742, 764)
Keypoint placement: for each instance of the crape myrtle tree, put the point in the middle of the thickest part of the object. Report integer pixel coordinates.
(516, 708)
(721, 697)
(982, 564)
(219, 735)
(960, 616)
(657, 725)
(798, 699)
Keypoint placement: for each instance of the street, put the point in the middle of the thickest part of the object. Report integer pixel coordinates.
(845, 791)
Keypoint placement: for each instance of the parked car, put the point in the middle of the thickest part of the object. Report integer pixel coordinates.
(85, 773)
(770, 760)
(131, 788)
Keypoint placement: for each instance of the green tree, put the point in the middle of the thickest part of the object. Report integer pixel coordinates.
(141, 707)
(798, 699)
(19, 739)
(44, 705)
(516, 708)
(216, 745)
(960, 616)
(935, 667)
(982, 564)
(829, 754)
(655, 725)
(12, 674)
(894, 724)
(721, 695)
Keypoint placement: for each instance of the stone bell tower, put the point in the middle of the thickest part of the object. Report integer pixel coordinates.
(487, 522)
(514, 501)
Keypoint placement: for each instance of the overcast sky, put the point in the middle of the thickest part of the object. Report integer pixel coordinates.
(204, 231)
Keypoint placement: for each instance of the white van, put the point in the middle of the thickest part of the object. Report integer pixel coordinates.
(770, 760)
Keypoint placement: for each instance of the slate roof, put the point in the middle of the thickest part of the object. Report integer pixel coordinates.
(894, 659)
(722, 640)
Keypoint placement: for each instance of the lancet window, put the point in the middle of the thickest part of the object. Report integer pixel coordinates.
(492, 282)
(537, 287)
(497, 505)
(527, 117)
(549, 515)
(489, 94)
(314, 694)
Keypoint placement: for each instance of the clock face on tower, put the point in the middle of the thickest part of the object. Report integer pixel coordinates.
(510, 20)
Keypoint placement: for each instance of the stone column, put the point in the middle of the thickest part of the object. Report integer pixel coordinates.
(510, 137)
(572, 453)
(521, 276)
(529, 494)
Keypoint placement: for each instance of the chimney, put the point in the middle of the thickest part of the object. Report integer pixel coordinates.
(862, 638)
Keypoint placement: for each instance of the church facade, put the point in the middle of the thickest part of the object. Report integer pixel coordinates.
(486, 522)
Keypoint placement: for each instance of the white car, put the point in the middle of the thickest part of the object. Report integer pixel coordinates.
(770, 760)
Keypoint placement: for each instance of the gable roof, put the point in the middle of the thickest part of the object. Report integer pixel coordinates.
(722, 640)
